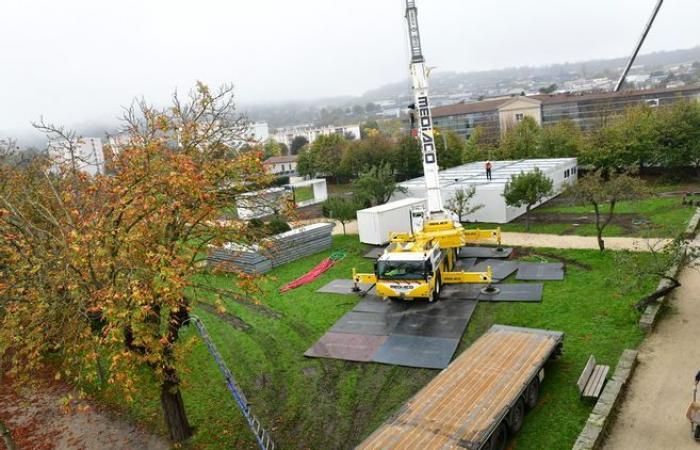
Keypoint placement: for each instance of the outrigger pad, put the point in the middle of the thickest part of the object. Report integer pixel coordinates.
(416, 351)
(369, 324)
(343, 287)
(541, 272)
(374, 253)
(501, 269)
(485, 252)
(349, 347)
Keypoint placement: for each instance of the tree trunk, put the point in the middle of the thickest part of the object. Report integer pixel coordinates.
(527, 218)
(344, 233)
(601, 242)
(7, 437)
(599, 227)
(174, 408)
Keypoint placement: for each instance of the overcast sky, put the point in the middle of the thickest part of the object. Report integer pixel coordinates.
(77, 61)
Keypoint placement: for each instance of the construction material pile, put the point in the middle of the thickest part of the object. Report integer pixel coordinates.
(274, 252)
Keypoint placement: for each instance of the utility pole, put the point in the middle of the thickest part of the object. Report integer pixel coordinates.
(639, 46)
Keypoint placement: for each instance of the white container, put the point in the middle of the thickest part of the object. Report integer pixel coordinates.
(375, 225)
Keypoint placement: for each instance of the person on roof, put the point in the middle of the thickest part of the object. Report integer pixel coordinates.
(488, 170)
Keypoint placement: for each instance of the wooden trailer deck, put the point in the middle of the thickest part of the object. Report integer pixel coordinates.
(462, 406)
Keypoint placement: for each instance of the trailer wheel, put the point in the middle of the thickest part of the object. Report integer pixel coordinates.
(498, 439)
(532, 393)
(697, 432)
(516, 416)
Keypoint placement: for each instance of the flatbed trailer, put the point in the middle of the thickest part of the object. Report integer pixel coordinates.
(478, 400)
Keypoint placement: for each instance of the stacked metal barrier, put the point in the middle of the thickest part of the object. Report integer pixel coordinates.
(275, 251)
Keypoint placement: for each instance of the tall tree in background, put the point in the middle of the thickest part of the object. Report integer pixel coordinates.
(272, 148)
(342, 209)
(328, 153)
(561, 140)
(100, 271)
(603, 192)
(528, 189)
(521, 141)
(678, 132)
(478, 147)
(371, 151)
(297, 144)
(450, 148)
(376, 185)
(407, 159)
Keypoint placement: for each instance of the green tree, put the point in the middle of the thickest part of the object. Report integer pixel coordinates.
(549, 89)
(406, 158)
(521, 141)
(527, 189)
(478, 147)
(678, 134)
(371, 151)
(342, 209)
(376, 185)
(306, 163)
(328, 153)
(297, 144)
(460, 203)
(562, 140)
(450, 148)
(272, 148)
(603, 192)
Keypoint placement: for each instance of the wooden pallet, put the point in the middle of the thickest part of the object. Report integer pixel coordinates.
(462, 406)
(590, 383)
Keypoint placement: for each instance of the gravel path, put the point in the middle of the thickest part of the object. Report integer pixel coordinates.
(652, 415)
(38, 421)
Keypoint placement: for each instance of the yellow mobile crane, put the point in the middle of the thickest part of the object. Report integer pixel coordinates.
(417, 264)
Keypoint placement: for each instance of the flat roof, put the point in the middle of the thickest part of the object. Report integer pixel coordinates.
(393, 205)
(501, 171)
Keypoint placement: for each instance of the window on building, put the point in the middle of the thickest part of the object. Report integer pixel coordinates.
(519, 117)
(567, 173)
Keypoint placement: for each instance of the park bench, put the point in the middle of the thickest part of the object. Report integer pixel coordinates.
(590, 383)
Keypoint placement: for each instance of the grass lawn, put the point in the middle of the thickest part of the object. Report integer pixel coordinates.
(660, 217)
(303, 194)
(327, 404)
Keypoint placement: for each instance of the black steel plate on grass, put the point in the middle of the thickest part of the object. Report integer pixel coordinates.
(540, 272)
(431, 326)
(349, 347)
(465, 264)
(370, 324)
(502, 269)
(416, 351)
(374, 304)
(342, 287)
(485, 252)
(374, 253)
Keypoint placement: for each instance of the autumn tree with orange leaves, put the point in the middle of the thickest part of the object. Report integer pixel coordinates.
(99, 271)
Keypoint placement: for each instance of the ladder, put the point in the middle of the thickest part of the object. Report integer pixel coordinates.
(261, 435)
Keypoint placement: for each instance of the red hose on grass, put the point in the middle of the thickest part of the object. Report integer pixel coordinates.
(310, 276)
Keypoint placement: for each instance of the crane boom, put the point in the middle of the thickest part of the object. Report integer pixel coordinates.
(422, 114)
(626, 71)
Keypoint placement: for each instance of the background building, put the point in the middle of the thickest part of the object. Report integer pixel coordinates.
(589, 111)
(281, 165)
(86, 154)
(287, 135)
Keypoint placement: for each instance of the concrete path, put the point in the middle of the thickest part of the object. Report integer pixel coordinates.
(652, 415)
(551, 240)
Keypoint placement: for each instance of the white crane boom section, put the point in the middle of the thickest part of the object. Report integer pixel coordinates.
(423, 116)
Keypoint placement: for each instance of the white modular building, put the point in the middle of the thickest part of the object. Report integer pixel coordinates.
(562, 171)
(375, 225)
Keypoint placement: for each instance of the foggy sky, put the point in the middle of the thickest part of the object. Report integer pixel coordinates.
(78, 61)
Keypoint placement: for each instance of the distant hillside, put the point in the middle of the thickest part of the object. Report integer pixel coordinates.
(450, 81)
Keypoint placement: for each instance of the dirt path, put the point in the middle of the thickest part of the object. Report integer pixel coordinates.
(652, 415)
(37, 421)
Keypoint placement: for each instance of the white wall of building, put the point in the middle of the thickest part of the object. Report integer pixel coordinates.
(86, 153)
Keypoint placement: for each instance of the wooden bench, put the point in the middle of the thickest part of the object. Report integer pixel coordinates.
(590, 383)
